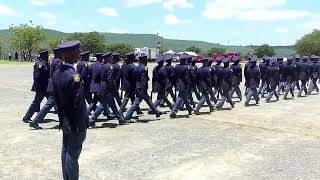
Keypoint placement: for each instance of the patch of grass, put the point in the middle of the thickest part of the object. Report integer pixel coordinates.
(6, 62)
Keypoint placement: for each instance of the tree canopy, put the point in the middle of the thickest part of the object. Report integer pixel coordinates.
(309, 44)
(194, 49)
(54, 42)
(92, 41)
(121, 48)
(264, 50)
(27, 37)
(216, 50)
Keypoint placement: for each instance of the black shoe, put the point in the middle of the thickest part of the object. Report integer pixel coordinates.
(25, 120)
(257, 102)
(151, 112)
(190, 112)
(267, 101)
(123, 122)
(211, 109)
(139, 112)
(240, 98)
(232, 104)
(35, 126)
(173, 115)
(158, 114)
(197, 113)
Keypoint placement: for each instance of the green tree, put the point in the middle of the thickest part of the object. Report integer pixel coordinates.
(309, 44)
(93, 41)
(264, 50)
(121, 48)
(216, 50)
(25, 37)
(194, 49)
(54, 42)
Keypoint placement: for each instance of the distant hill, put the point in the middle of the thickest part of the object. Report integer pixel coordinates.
(150, 40)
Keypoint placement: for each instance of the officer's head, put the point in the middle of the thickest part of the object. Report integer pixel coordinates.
(57, 53)
(305, 58)
(193, 60)
(107, 57)
(273, 60)
(44, 55)
(168, 58)
(314, 58)
(290, 60)
(279, 58)
(160, 59)
(115, 57)
(189, 59)
(130, 57)
(297, 58)
(226, 62)
(85, 56)
(236, 59)
(70, 51)
(210, 61)
(253, 61)
(205, 61)
(266, 59)
(99, 56)
(183, 59)
(143, 59)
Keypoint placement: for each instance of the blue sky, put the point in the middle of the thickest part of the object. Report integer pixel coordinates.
(229, 22)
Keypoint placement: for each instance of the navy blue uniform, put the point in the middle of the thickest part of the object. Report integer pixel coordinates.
(41, 72)
(116, 74)
(84, 70)
(170, 81)
(263, 88)
(273, 78)
(183, 79)
(304, 77)
(314, 75)
(298, 73)
(216, 81)
(94, 85)
(236, 80)
(225, 85)
(127, 84)
(253, 80)
(281, 86)
(204, 85)
(105, 93)
(289, 74)
(141, 78)
(73, 117)
(192, 87)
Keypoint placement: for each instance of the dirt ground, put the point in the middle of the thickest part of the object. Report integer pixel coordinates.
(270, 141)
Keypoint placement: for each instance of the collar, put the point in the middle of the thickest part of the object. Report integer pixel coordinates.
(70, 65)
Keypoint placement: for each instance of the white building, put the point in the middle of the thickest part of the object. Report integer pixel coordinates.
(150, 52)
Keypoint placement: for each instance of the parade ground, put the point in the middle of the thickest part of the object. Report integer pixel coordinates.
(280, 140)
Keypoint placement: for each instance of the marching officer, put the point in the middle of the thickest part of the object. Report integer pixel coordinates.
(84, 71)
(41, 74)
(55, 65)
(182, 81)
(116, 70)
(298, 70)
(214, 80)
(236, 77)
(253, 79)
(215, 75)
(72, 109)
(192, 86)
(141, 78)
(304, 75)
(225, 84)
(105, 91)
(314, 73)
(246, 84)
(170, 78)
(159, 79)
(272, 78)
(95, 81)
(204, 85)
(263, 69)
(280, 64)
(289, 74)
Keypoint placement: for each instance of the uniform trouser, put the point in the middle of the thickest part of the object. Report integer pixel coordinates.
(162, 97)
(182, 99)
(252, 92)
(298, 85)
(281, 86)
(261, 86)
(70, 153)
(236, 89)
(313, 86)
(93, 104)
(289, 88)
(88, 95)
(212, 96)
(45, 110)
(273, 92)
(265, 89)
(225, 97)
(35, 105)
(128, 95)
(204, 98)
(135, 106)
(190, 97)
(303, 88)
(173, 97)
(117, 97)
(106, 101)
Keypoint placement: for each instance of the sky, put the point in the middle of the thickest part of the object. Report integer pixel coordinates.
(228, 22)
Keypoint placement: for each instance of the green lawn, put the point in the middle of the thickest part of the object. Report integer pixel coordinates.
(6, 62)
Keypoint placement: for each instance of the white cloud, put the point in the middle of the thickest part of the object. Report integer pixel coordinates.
(254, 10)
(49, 17)
(76, 23)
(171, 4)
(118, 30)
(6, 11)
(281, 30)
(313, 24)
(171, 19)
(92, 25)
(46, 2)
(139, 3)
(107, 11)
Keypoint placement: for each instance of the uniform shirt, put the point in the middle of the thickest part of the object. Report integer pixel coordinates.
(216, 72)
(171, 77)
(204, 79)
(236, 73)
(41, 73)
(95, 76)
(55, 65)
(140, 74)
(193, 76)
(84, 71)
(183, 77)
(225, 77)
(127, 81)
(116, 73)
(263, 70)
(272, 74)
(157, 79)
(69, 95)
(106, 81)
(280, 64)
(253, 76)
(289, 72)
(314, 70)
(304, 71)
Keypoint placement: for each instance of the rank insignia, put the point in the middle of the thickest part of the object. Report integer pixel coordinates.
(76, 78)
